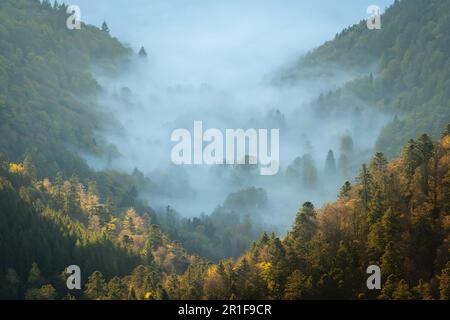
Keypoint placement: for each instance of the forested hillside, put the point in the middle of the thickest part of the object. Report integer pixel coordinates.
(395, 216)
(43, 65)
(56, 211)
(402, 69)
(46, 226)
(44, 70)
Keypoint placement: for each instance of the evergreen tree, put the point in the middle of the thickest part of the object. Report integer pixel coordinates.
(96, 286)
(366, 182)
(330, 165)
(142, 53)
(105, 27)
(305, 223)
(298, 286)
(444, 283)
(345, 190)
(402, 291)
(34, 276)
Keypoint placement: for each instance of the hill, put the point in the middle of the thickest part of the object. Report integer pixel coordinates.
(402, 70)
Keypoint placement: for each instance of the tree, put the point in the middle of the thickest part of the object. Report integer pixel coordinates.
(444, 283)
(46, 292)
(347, 145)
(446, 131)
(388, 288)
(402, 291)
(96, 286)
(298, 286)
(116, 289)
(345, 190)
(147, 252)
(344, 166)
(391, 260)
(142, 53)
(378, 167)
(105, 27)
(366, 183)
(34, 276)
(305, 222)
(309, 171)
(216, 285)
(330, 164)
(12, 283)
(29, 167)
(423, 291)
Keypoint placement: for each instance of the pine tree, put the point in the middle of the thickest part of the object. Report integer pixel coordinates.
(46, 292)
(344, 166)
(12, 282)
(388, 288)
(96, 286)
(446, 131)
(347, 145)
(29, 167)
(309, 172)
(298, 286)
(391, 260)
(116, 289)
(305, 223)
(366, 182)
(105, 27)
(345, 190)
(423, 291)
(330, 165)
(142, 53)
(378, 167)
(34, 276)
(402, 291)
(444, 283)
(147, 252)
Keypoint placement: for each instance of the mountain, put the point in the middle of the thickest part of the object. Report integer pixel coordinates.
(403, 70)
(56, 211)
(43, 66)
(396, 217)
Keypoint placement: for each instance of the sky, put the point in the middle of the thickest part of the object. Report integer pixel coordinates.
(245, 37)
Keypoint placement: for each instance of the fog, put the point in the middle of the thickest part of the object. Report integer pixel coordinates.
(215, 61)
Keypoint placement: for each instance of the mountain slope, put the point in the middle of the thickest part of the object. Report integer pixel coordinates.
(402, 69)
(396, 217)
(43, 65)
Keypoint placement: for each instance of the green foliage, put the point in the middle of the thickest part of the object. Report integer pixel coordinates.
(402, 69)
(55, 211)
(43, 67)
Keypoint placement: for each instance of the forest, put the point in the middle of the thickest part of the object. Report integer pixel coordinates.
(56, 210)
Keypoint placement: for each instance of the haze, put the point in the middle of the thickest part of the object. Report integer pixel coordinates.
(214, 61)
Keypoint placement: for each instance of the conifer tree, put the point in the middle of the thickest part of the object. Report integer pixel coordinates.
(96, 286)
(330, 165)
(105, 27)
(142, 52)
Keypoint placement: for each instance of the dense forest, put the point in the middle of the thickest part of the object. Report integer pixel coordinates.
(396, 215)
(56, 211)
(402, 69)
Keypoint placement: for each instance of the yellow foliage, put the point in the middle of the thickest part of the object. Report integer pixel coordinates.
(148, 296)
(265, 267)
(445, 142)
(16, 168)
(47, 185)
(212, 271)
